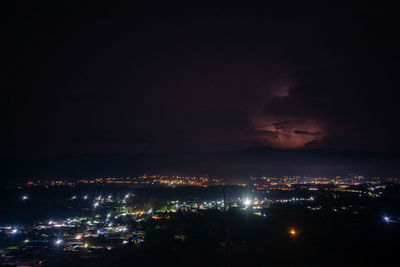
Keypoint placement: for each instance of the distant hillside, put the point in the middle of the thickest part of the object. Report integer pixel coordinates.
(235, 164)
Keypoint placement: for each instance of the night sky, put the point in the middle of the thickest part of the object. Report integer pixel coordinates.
(107, 78)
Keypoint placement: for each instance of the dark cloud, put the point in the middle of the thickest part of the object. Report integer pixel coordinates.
(306, 132)
(94, 139)
(133, 79)
(312, 144)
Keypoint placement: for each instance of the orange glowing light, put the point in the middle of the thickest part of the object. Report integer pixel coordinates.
(78, 236)
(292, 232)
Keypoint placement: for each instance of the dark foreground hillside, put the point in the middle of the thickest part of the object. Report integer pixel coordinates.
(320, 240)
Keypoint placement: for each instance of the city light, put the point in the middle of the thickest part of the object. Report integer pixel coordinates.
(292, 232)
(111, 218)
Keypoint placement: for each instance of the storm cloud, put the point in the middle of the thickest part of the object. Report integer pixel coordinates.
(105, 79)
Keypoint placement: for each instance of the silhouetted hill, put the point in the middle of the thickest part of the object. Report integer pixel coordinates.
(253, 161)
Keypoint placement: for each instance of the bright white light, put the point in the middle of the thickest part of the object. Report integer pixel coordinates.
(50, 222)
(109, 196)
(246, 202)
(78, 236)
(58, 242)
(386, 219)
(14, 231)
(85, 197)
(96, 204)
(25, 197)
(108, 215)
